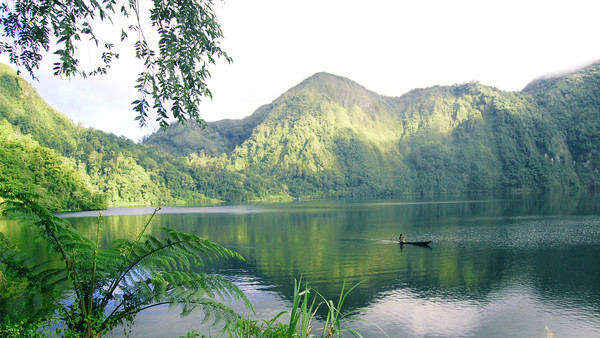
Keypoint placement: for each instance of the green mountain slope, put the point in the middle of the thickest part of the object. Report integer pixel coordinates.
(217, 138)
(28, 168)
(329, 136)
(573, 102)
(23, 107)
(125, 173)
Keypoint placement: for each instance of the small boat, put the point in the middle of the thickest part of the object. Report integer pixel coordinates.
(416, 243)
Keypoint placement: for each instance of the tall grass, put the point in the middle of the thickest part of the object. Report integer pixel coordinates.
(305, 305)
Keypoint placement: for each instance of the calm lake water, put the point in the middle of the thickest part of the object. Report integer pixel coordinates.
(513, 266)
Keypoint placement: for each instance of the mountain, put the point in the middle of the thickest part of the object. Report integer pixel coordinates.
(49, 146)
(44, 175)
(328, 136)
(218, 137)
(574, 105)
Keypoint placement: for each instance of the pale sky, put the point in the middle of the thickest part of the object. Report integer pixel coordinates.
(389, 47)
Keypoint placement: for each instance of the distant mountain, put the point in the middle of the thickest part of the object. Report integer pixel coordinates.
(218, 137)
(331, 137)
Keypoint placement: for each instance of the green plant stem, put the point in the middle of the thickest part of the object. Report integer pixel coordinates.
(131, 266)
(95, 257)
(115, 283)
(47, 220)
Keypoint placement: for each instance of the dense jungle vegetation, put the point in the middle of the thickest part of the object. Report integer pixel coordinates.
(326, 137)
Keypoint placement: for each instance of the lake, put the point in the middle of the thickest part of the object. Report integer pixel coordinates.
(498, 266)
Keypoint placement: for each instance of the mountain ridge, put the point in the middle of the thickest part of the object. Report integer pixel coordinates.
(312, 127)
(329, 137)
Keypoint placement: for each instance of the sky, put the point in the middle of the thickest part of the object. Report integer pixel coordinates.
(389, 47)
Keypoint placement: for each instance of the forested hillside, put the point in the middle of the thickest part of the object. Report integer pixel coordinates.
(330, 137)
(123, 172)
(573, 102)
(50, 179)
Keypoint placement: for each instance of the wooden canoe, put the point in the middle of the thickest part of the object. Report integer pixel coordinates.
(416, 243)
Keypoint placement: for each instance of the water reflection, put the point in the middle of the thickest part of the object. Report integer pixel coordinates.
(504, 266)
(515, 311)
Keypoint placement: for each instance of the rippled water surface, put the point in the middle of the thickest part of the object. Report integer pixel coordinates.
(497, 267)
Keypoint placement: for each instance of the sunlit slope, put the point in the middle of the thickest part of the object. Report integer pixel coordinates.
(26, 168)
(21, 105)
(123, 172)
(472, 137)
(326, 135)
(331, 136)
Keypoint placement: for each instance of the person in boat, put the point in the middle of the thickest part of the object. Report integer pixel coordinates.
(401, 239)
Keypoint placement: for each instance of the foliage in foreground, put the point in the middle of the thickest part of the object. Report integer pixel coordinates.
(175, 63)
(109, 287)
(305, 306)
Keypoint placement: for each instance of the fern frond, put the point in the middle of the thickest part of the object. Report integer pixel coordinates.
(181, 250)
(213, 311)
(110, 286)
(44, 280)
(140, 289)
